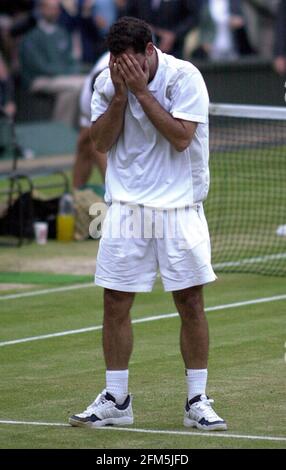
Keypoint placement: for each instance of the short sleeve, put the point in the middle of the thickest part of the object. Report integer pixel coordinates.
(102, 95)
(85, 100)
(189, 98)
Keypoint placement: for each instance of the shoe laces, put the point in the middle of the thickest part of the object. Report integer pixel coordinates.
(98, 403)
(205, 406)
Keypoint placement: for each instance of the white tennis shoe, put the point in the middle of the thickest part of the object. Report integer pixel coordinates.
(199, 414)
(104, 411)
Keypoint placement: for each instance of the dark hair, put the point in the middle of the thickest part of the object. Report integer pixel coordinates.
(128, 32)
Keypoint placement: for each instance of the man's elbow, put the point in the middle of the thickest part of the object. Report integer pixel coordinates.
(182, 145)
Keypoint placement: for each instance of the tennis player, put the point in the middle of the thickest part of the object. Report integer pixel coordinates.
(150, 113)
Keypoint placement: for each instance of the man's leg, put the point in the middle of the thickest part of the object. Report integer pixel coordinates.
(117, 329)
(66, 90)
(83, 161)
(114, 405)
(66, 107)
(100, 160)
(194, 328)
(194, 339)
(117, 341)
(194, 348)
(86, 158)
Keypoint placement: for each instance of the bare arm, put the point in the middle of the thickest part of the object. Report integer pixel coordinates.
(177, 131)
(106, 130)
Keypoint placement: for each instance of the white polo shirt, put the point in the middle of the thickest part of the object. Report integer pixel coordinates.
(143, 166)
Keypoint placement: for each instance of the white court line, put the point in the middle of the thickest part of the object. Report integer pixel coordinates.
(258, 259)
(34, 423)
(144, 320)
(156, 431)
(46, 291)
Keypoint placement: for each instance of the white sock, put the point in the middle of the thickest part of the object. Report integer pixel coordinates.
(117, 384)
(196, 382)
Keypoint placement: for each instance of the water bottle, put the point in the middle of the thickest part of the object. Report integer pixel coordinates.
(66, 219)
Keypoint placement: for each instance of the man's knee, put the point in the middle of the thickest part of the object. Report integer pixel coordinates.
(190, 301)
(84, 146)
(116, 303)
(84, 138)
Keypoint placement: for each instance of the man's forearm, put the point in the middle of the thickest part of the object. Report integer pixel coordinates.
(172, 129)
(106, 130)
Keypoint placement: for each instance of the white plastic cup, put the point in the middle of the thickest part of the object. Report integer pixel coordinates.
(41, 232)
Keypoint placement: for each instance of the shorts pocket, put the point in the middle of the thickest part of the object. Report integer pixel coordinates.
(191, 229)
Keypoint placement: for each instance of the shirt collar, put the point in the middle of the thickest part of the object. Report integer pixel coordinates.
(48, 28)
(154, 85)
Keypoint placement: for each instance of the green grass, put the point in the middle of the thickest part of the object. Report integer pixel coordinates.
(47, 380)
(42, 278)
(246, 205)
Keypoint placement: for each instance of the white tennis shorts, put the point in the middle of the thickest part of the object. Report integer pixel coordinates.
(137, 241)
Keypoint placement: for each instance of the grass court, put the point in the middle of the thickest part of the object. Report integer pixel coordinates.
(45, 379)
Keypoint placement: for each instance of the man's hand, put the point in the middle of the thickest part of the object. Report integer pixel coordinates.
(236, 22)
(280, 65)
(135, 78)
(10, 109)
(117, 79)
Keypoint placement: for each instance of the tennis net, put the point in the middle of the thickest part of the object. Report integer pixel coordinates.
(246, 206)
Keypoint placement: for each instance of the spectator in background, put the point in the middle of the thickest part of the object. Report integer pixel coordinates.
(221, 34)
(88, 21)
(260, 15)
(76, 17)
(7, 104)
(24, 18)
(106, 12)
(86, 154)
(170, 20)
(16, 18)
(47, 63)
(280, 40)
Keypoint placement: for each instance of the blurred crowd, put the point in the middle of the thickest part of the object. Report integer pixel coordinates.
(48, 45)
